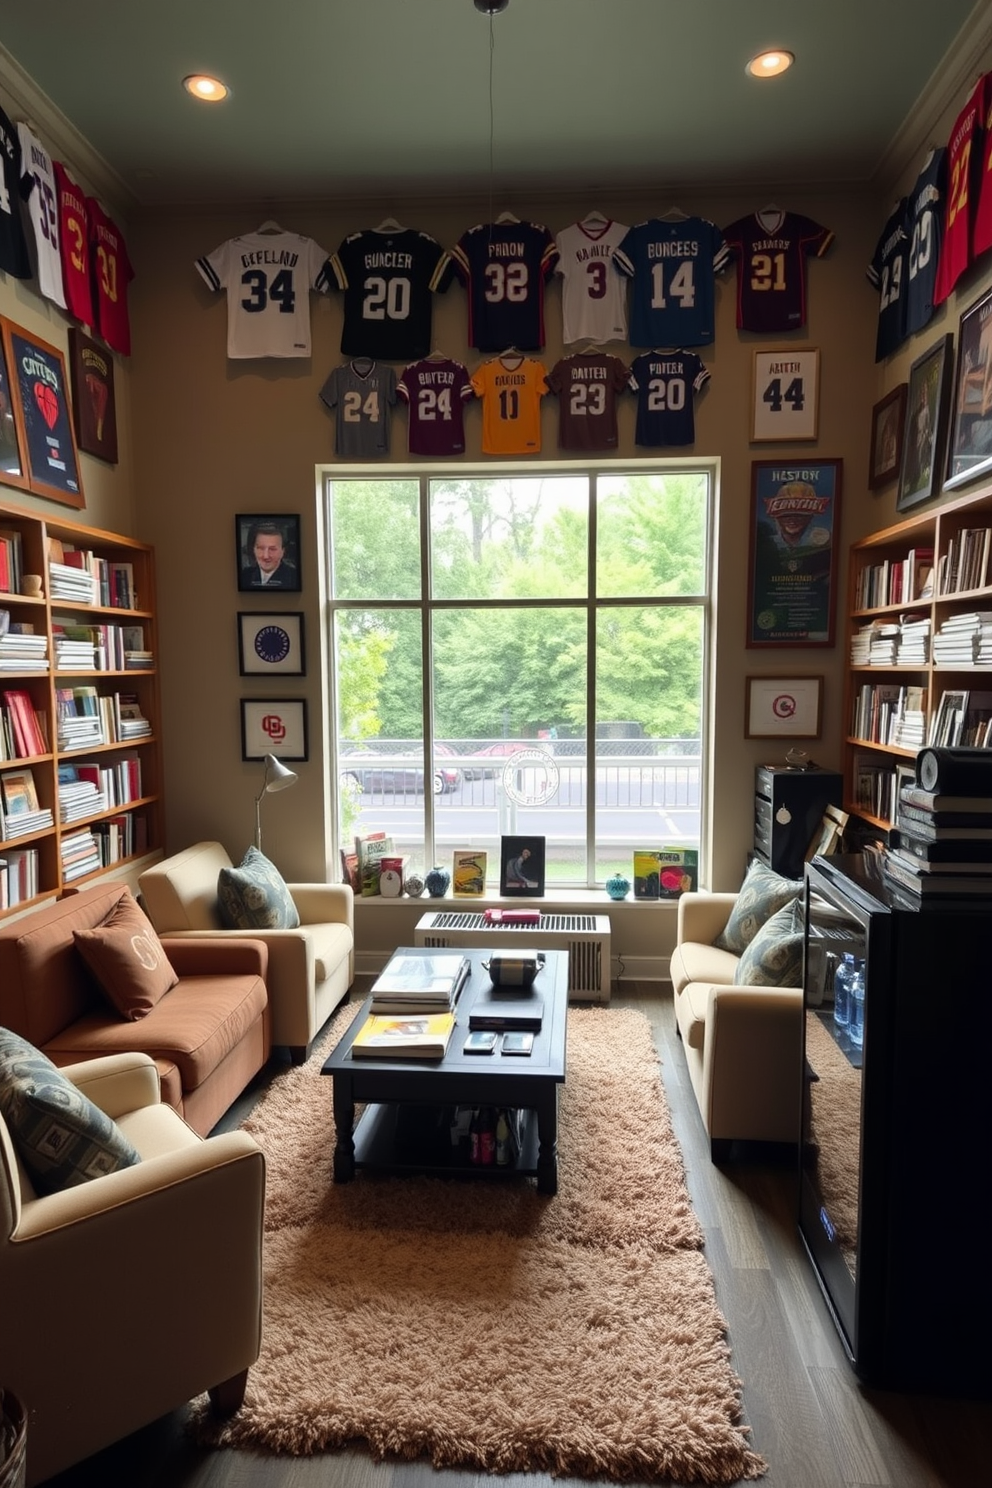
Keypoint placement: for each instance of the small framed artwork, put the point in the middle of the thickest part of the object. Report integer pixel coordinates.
(970, 444)
(468, 874)
(268, 552)
(786, 395)
(792, 583)
(887, 420)
(274, 726)
(925, 432)
(41, 411)
(521, 867)
(947, 724)
(94, 405)
(12, 471)
(782, 707)
(271, 643)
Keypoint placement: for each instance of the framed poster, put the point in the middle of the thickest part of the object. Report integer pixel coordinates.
(786, 395)
(41, 411)
(792, 575)
(94, 405)
(887, 420)
(927, 407)
(12, 471)
(970, 445)
(782, 707)
(268, 552)
(521, 866)
(271, 643)
(274, 726)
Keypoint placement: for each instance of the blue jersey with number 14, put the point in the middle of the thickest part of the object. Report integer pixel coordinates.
(672, 265)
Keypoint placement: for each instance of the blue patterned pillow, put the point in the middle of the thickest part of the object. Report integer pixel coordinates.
(775, 956)
(762, 894)
(61, 1137)
(254, 896)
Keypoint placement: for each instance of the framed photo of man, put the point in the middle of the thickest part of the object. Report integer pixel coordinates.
(792, 576)
(970, 440)
(268, 552)
(521, 867)
(925, 434)
(887, 419)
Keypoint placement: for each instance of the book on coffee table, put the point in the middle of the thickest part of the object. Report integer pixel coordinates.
(421, 1037)
(420, 983)
(500, 1010)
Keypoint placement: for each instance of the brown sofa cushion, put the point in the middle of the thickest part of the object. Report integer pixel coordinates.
(127, 958)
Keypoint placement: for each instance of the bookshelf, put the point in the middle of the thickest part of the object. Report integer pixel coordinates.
(85, 729)
(917, 672)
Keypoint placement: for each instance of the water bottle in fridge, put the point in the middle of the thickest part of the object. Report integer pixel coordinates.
(843, 977)
(856, 1023)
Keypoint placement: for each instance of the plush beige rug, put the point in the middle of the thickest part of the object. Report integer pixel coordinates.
(482, 1325)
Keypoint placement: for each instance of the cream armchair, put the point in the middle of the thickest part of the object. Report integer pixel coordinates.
(310, 969)
(129, 1294)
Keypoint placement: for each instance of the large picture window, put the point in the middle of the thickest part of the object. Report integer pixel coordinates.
(520, 653)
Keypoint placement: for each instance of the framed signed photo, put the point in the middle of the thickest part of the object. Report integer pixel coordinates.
(41, 412)
(792, 576)
(785, 395)
(887, 420)
(970, 444)
(927, 405)
(269, 643)
(274, 726)
(268, 552)
(783, 707)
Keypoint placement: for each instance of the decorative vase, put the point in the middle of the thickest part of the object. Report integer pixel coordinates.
(413, 885)
(437, 882)
(617, 886)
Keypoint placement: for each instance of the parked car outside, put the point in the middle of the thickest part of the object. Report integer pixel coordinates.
(400, 777)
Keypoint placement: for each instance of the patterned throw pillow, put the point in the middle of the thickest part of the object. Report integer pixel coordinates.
(762, 894)
(127, 958)
(254, 896)
(61, 1137)
(775, 956)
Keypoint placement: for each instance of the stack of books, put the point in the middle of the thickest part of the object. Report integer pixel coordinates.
(414, 982)
(80, 853)
(23, 652)
(940, 850)
(21, 813)
(963, 640)
(67, 582)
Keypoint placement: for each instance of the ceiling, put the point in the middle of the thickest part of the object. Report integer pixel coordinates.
(392, 97)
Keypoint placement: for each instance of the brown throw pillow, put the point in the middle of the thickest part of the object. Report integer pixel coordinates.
(126, 957)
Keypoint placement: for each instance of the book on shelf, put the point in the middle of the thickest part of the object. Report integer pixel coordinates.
(427, 981)
(647, 874)
(11, 560)
(27, 724)
(678, 871)
(349, 870)
(419, 1036)
(468, 874)
(369, 849)
(936, 885)
(924, 800)
(942, 854)
(934, 826)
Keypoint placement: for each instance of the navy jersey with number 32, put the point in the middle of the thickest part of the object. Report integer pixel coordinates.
(505, 266)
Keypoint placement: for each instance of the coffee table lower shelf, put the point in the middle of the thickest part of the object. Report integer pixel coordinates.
(408, 1139)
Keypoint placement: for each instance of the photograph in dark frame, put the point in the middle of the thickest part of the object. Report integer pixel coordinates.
(969, 452)
(927, 407)
(521, 867)
(268, 552)
(888, 419)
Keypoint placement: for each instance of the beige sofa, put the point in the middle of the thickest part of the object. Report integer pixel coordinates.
(743, 1045)
(310, 969)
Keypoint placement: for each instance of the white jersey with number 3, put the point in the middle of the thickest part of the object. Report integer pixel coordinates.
(268, 278)
(593, 295)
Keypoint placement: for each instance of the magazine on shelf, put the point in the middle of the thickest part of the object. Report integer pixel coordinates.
(413, 1036)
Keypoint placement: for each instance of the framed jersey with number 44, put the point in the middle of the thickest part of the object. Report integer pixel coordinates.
(786, 395)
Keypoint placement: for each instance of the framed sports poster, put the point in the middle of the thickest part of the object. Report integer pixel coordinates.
(786, 395)
(274, 726)
(887, 419)
(792, 575)
(12, 471)
(927, 407)
(94, 406)
(41, 411)
(270, 643)
(970, 447)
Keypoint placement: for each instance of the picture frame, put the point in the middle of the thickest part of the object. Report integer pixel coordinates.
(273, 538)
(468, 873)
(12, 467)
(271, 643)
(40, 396)
(276, 726)
(888, 422)
(94, 402)
(924, 435)
(793, 558)
(785, 395)
(521, 867)
(783, 707)
(947, 722)
(969, 453)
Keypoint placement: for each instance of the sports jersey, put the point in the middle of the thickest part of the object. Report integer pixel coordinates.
(586, 386)
(964, 164)
(925, 230)
(112, 273)
(982, 233)
(74, 246)
(38, 187)
(268, 278)
(771, 248)
(887, 272)
(362, 392)
(511, 389)
(436, 391)
(672, 265)
(593, 297)
(665, 382)
(389, 280)
(14, 257)
(504, 267)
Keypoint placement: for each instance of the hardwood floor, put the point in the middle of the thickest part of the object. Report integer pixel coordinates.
(816, 1426)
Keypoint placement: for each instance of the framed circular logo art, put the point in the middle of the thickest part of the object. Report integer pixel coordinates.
(270, 643)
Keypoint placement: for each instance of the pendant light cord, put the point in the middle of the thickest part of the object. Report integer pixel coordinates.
(492, 124)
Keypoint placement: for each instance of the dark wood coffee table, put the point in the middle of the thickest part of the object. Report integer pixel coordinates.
(405, 1126)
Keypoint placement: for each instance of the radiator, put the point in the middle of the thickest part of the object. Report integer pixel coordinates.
(585, 937)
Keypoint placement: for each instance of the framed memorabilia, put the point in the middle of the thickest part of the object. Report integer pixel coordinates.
(782, 707)
(41, 412)
(271, 643)
(274, 726)
(12, 471)
(970, 444)
(927, 407)
(468, 874)
(792, 575)
(521, 867)
(94, 406)
(786, 394)
(888, 418)
(268, 552)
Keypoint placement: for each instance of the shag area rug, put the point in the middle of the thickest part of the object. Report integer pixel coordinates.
(482, 1325)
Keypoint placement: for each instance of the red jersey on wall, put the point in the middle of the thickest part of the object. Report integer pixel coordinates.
(74, 246)
(112, 273)
(964, 162)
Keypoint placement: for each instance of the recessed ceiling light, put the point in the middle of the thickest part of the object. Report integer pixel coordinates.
(208, 89)
(770, 64)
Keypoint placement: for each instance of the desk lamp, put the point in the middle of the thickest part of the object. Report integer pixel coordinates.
(276, 778)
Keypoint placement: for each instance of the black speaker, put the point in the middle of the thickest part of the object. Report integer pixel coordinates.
(955, 772)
